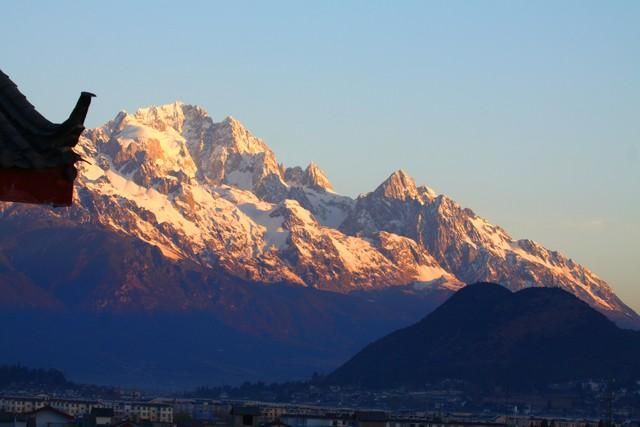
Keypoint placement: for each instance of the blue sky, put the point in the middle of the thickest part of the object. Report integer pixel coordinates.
(527, 112)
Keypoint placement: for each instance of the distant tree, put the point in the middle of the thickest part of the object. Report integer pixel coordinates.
(20, 376)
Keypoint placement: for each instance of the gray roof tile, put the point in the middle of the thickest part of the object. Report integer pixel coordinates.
(30, 141)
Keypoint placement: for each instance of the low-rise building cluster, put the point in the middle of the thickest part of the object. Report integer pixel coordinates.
(45, 411)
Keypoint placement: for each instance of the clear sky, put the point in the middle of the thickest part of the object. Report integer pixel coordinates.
(527, 112)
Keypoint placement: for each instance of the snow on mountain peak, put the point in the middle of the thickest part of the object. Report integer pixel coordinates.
(146, 147)
(427, 192)
(399, 186)
(233, 134)
(316, 178)
(159, 117)
(185, 136)
(214, 193)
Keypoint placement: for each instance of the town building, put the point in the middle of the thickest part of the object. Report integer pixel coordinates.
(103, 410)
(142, 411)
(22, 405)
(327, 420)
(246, 416)
(102, 416)
(49, 417)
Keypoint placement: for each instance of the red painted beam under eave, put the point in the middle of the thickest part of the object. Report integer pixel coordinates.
(40, 186)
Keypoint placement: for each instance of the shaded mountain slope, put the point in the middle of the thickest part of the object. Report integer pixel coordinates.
(487, 335)
(108, 308)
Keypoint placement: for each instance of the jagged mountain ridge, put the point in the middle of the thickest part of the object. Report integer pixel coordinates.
(214, 194)
(474, 250)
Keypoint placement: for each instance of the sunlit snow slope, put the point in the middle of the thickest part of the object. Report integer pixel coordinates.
(213, 194)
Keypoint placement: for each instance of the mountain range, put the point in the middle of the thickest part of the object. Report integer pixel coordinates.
(489, 336)
(176, 215)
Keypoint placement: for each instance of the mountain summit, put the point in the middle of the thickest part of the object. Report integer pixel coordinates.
(312, 176)
(212, 194)
(399, 186)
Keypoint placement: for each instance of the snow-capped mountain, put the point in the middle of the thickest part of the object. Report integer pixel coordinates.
(471, 248)
(213, 194)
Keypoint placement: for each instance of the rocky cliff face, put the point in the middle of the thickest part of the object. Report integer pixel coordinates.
(471, 248)
(212, 194)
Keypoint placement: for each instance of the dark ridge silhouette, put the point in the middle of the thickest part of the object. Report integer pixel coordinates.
(489, 336)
